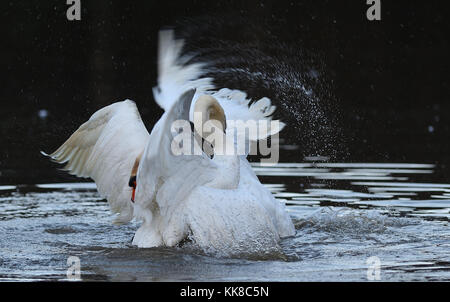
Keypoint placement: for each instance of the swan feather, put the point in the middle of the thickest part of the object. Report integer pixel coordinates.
(104, 148)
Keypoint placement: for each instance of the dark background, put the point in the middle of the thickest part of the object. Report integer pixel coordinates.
(348, 88)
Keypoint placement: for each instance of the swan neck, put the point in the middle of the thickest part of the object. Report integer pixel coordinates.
(208, 114)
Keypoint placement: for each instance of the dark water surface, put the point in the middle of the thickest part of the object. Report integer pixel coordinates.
(344, 213)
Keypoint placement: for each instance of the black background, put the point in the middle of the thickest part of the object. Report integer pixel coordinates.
(381, 94)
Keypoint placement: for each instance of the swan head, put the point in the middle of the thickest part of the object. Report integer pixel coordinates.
(208, 114)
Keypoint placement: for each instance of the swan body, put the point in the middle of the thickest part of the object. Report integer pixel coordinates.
(217, 202)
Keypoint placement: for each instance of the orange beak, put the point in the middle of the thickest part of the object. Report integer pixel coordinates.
(133, 192)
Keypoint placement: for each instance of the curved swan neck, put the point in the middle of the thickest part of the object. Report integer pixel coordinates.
(210, 124)
(207, 109)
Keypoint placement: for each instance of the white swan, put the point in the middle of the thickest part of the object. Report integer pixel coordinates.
(218, 203)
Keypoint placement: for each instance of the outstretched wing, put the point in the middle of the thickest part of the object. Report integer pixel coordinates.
(104, 148)
(166, 177)
(176, 75)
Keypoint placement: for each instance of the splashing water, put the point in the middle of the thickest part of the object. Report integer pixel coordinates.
(344, 214)
(255, 61)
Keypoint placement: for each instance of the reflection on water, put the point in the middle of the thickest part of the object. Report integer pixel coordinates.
(365, 185)
(343, 212)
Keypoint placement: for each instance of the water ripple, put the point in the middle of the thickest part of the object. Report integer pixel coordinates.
(343, 212)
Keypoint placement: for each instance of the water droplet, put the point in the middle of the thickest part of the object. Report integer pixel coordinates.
(43, 114)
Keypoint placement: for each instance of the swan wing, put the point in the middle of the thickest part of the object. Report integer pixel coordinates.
(164, 177)
(176, 75)
(104, 148)
(238, 107)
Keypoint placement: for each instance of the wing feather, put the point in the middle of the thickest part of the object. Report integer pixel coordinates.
(238, 107)
(104, 148)
(176, 75)
(165, 179)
